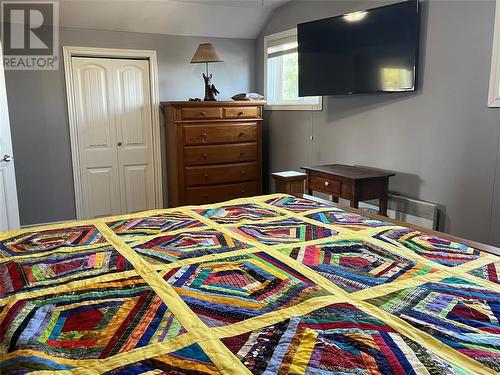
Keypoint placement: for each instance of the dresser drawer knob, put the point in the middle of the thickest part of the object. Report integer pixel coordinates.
(327, 183)
(241, 113)
(241, 134)
(205, 196)
(243, 191)
(203, 113)
(204, 155)
(243, 173)
(205, 176)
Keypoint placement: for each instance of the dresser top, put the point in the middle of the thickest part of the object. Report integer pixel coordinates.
(216, 103)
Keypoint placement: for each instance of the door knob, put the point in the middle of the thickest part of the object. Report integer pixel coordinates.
(7, 158)
(119, 144)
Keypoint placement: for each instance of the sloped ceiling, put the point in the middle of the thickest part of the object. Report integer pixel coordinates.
(211, 18)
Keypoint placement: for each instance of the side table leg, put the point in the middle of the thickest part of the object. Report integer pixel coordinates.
(384, 198)
(355, 196)
(383, 205)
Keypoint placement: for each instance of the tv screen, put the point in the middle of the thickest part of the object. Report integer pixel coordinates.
(362, 52)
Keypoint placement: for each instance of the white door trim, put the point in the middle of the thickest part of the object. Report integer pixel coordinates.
(150, 55)
(494, 90)
(7, 169)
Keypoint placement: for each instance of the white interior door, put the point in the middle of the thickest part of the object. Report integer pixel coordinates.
(135, 134)
(96, 136)
(9, 212)
(114, 124)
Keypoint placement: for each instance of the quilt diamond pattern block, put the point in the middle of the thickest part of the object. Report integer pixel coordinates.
(439, 250)
(33, 242)
(350, 220)
(294, 204)
(283, 232)
(490, 272)
(150, 225)
(356, 264)
(37, 272)
(168, 249)
(462, 315)
(189, 360)
(96, 321)
(238, 213)
(338, 339)
(238, 288)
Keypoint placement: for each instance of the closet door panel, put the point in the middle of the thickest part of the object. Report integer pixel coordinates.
(136, 188)
(94, 97)
(134, 132)
(100, 193)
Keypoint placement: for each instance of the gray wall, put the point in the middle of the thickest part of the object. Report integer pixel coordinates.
(38, 111)
(442, 140)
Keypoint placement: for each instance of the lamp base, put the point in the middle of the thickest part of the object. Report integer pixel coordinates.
(210, 90)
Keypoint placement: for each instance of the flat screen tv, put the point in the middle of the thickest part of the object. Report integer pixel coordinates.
(372, 51)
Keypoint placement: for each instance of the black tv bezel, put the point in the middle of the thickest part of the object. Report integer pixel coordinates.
(417, 55)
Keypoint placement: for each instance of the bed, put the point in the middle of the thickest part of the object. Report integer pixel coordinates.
(263, 285)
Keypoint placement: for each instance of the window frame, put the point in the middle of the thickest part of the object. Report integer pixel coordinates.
(291, 106)
(494, 87)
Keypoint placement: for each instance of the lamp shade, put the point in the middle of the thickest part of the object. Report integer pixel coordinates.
(206, 53)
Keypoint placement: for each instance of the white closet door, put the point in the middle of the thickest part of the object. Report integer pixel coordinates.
(134, 131)
(114, 135)
(97, 140)
(9, 214)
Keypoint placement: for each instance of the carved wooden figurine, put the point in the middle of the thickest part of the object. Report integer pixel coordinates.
(210, 90)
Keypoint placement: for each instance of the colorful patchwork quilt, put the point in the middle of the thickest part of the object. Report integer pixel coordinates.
(264, 285)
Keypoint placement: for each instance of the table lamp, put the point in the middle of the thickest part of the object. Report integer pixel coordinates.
(206, 53)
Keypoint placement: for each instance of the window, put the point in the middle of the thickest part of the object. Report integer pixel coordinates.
(281, 74)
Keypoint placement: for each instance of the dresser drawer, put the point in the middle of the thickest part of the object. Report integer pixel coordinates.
(201, 113)
(220, 154)
(325, 185)
(219, 133)
(221, 174)
(220, 193)
(242, 112)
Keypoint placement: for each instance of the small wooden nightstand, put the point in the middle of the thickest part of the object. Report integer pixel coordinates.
(350, 182)
(290, 182)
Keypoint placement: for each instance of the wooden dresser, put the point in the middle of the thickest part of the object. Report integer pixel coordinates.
(214, 150)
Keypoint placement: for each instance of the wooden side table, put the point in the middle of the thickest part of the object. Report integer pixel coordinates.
(290, 182)
(350, 182)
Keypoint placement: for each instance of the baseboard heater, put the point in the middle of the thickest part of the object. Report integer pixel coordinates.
(412, 211)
